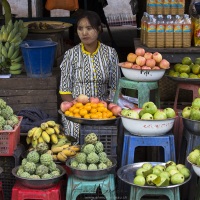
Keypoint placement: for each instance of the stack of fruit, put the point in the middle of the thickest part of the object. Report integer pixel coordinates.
(49, 136)
(90, 108)
(186, 69)
(11, 36)
(161, 175)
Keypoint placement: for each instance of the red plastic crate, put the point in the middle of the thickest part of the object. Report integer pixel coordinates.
(10, 139)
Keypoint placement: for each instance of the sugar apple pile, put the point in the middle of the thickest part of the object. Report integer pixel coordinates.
(92, 155)
(38, 166)
(8, 119)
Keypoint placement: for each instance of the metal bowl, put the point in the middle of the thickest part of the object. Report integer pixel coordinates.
(92, 174)
(39, 183)
(143, 75)
(147, 127)
(127, 174)
(192, 126)
(196, 168)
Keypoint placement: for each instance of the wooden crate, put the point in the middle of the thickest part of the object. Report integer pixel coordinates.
(22, 92)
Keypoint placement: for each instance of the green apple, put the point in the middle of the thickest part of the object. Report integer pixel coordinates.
(147, 116)
(149, 107)
(193, 76)
(141, 112)
(196, 102)
(177, 67)
(150, 178)
(169, 112)
(186, 112)
(184, 69)
(195, 113)
(124, 112)
(196, 69)
(160, 115)
(186, 61)
(198, 161)
(133, 114)
(197, 61)
(184, 75)
(139, 180)
(147, 166)
(176, 74)
(192, 157)
(177, 178)
(185, 171)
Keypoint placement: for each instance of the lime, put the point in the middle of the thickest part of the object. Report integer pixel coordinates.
(193, 76)
(184, 75)
(197, 61)
(176, 74)
(184, 68)
(171, 72)
(186, 61)
(177, 66)
(196, 69)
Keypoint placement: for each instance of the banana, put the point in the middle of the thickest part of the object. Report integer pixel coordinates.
(24, 33)
(28, 140)
(17, 38)
(4, 51)
(16, 60)
(60, 136)
(44, 125)
(45, 136)
(54, 157)
(1, 36)
(15, 72)
(7, 11)
(12, 34)
(51, 123)
(9, 26)
(61, 142)
(11, 50)
(3, 28)
(5, 35)
(15, 54)
(75, 148)
(69, 152)
(61, 157)
(31, 132)
(50, 130)
(57, 128)
(66, 145)
(16, 66)
(40, 139)
(54, 138)
(37, 133)
(7, 45)
(34, 143)
(16, 24)
(56, 149)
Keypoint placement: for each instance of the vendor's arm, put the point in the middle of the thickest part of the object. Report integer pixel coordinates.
(65, 80)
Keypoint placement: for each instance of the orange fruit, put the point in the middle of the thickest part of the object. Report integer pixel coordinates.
(78, 104)
(93, 105)
(100, 104)
(67, 112)
(113, 117)
(87, 116)
(105, 115)
(72, 108)
(77, 115)
(94, 116)
(83, 112)
(71, 114)
(93, 110)
(88, 104)
(99, 114)
(100, 109)
(87, 107)
(109, 114)
(76, 110)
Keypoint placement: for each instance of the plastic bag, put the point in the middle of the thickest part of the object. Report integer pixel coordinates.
(127, 102)
(134, 6)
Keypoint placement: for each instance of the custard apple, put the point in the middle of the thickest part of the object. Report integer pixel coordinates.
(74, 163)
(13, 120)
(25, 175)
(92, 167)
(90, 138)
(81, 157)
(52, 166)
(42, 147)
(103, 157)
(33, 156)
(55, 174)
(109, 163)
(102, 166)
(34, 176)
(41, 170)
(30, 167)
(82, 166)
(46, 176)
(89, 148)
(99, 147)
(7, 127)
(7, 112)
(46, 159)
(24, 161)
(2, 104)
(92, 158)
(19, 171)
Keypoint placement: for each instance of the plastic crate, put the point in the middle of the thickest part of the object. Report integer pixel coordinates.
(7, 163)
(107, 134)
(9, 140)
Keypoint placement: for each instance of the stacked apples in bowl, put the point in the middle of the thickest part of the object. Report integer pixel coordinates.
(148, 120)
(144, 66)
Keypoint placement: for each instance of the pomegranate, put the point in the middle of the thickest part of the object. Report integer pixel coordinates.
(116, 110)
(94, 100)
(82, 98)
(127, 64)
(140, 51)
(164, 64)
(110, 105)
(140, 60)
(131, 57)
(157, 57)
(150, 63)
(148, 55)
(65, 105)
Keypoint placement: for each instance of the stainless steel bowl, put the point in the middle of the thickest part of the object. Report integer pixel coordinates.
(192, 126)
(92, 174)
(39, 183)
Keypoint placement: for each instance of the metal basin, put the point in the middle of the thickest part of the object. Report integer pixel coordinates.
(92, 174)
(192, 126)
(39, 183)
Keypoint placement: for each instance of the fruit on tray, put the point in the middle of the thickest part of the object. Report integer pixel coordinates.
(90, 108)
(38, 166)
(192, 112)
(186, 69)
(8, 120)
(141, 59)
(149, 111)
(161, 175)
(11, 36)
(194, 156)
(92, 155)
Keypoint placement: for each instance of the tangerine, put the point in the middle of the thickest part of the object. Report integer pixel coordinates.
(76, 110)
(78, 104)
(93, 110)
(100, 109)
(104, 115)
(87, 116)
(93, 105)
(67, 112)
(72, 108)
(94, 116)
(83, 112)
(71, 114)
(100, 104)
(77, 115)
(88, 107)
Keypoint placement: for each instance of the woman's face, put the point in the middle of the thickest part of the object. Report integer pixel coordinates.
(86, 33)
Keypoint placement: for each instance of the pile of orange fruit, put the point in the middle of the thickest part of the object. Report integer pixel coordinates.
(89, 111)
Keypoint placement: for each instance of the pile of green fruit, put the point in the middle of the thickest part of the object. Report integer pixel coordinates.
(38, 166)
(192, 112)
(161, 175)
(186, 69)
(194, 156)
(8, 119)
(149, 111)
(92, 155)
(11, 36)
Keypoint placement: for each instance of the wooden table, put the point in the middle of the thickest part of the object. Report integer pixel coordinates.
(173, 55)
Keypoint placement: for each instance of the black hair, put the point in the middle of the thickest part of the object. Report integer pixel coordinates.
(93, 18)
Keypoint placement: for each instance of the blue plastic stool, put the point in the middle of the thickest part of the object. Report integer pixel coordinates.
(133, 141)
(171, 193)
(76, 186)
(143, 89)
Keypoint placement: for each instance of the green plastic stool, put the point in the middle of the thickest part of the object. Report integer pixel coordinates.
(138, 193)
(76, 186)
(143, 89)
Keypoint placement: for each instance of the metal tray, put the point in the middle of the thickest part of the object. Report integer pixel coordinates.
(127, 174)
(59, 27)
(89, 121)
(188, 80)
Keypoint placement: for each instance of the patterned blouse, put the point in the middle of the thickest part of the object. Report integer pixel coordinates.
(91, 74)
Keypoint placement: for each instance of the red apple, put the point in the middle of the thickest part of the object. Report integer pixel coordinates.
(140, 60)
(128, 64)
(110, 105)
(140, 51)
(164, 64)
(94, 100)
(131, 57)
(148, 55)
(65, 105)
(157, 57)
(150, 63)
(116, 110)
